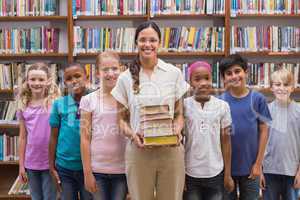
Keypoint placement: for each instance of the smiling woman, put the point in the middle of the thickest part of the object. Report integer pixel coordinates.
(151, 83)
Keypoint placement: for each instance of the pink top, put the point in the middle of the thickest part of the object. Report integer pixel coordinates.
(107, 143)
(36, 119)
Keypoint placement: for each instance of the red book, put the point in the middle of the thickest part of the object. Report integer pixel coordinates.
(121, 7)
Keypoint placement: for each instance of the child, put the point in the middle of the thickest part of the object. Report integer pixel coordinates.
(65, 161)
(34, 107)
(250, 114)
(281, 165)
(102, 145)
(207, 145)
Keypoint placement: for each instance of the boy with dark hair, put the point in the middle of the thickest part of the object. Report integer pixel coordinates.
(250, 115)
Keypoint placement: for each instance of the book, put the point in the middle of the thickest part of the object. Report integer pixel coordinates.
(156, 125)
(109, 7)
(19, 188)
(29, 7)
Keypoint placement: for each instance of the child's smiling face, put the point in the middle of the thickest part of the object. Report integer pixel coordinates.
(282, 90)
(37, 81)
(201, 81)
(235, 77)
(109, 71)
(75, 80)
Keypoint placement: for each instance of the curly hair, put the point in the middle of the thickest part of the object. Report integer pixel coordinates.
(51, 93)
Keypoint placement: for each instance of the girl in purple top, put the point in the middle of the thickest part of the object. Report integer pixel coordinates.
(36, 96)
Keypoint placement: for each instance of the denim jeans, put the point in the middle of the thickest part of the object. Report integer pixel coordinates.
(204, 188)
(111, 187)
(41, 185)
(248, 189)
(279, 185)
(72, 182)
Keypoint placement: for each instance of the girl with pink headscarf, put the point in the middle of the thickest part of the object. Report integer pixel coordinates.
(207, 144)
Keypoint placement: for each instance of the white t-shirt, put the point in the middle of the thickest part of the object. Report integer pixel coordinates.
(203, 153)
(165, 86)
(107, 143)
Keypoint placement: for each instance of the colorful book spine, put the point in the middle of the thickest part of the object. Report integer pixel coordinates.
(33, 40)
(265, 7)
(29, 7)
(9, 150)
(167, 7)
(179, 39)
(109, 7)
(265, 38)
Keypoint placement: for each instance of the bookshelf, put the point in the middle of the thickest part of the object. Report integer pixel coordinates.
(66, 21)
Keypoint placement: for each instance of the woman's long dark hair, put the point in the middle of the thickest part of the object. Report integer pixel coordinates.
(135, 67)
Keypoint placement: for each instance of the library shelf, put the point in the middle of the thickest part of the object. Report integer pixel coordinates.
(191, 16)
(266, 15)
(268, 54)
(33, 55)
(6, 91)
(33, 18)
(10, 197)
(161, 54)
(111, 17)
(9, 163)
(4, 125)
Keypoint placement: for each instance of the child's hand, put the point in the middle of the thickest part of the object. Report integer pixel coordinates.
(22, 175)
(262, 182)
(228, 183)
(90, 183)
(297, 181)
(137, 139)
(56, 179)
(256, 171)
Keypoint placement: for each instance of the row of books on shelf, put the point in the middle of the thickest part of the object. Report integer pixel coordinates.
(265, 7)
(109, 7)
(258, 73)
(19, 188)
(259, 76)
(13, 74)
(200, 39)
(8, 110)
(9, 148)
(29, 40)
(265, 38)
(167, 7)
(29, 7)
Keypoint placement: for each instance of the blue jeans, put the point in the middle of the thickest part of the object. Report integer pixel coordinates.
(111, 186)
(248, 189)
(204, 188)
(41, 185)
(72, 182)
(279, 185)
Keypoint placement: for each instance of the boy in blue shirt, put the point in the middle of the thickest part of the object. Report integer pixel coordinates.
(250, 115)
(64, 149)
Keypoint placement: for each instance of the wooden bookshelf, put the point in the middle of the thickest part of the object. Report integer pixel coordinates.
(9, 163)
(190, 16)
(111, 17)
(161, 54)
(19, 197)
(6, 91)
(8, 126)
(269, 54)
(33, 18)
(266, 15)
(8, 174)
(30, 55)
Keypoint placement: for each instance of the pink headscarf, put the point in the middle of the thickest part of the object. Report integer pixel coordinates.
(197, 64)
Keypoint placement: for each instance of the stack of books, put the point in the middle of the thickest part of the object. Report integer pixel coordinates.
(157, 125)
